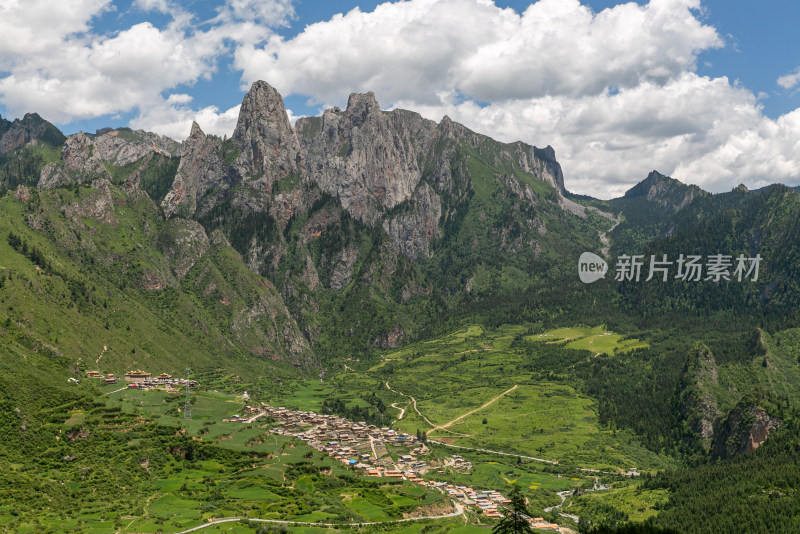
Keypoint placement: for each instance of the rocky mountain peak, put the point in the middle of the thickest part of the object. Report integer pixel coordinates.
(669, 193)
(269, 148)
(201, 168)
(16, 134)
(644, 187)
(261, 105)
(361, 105)
(196, 132)
(358, 100)
(366, 158)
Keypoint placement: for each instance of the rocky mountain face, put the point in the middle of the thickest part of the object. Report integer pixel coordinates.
(19, 133)
(744, 429)
(668, 193)
(88, 157)
(369, 160)
(201, 169)
(360, 221)
(268, 145)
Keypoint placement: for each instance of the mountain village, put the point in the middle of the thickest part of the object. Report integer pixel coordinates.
(364, 447)
(358, 445)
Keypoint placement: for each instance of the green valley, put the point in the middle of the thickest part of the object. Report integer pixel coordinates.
(384, 329)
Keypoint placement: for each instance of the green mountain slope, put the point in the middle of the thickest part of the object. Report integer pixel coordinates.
(99, 274)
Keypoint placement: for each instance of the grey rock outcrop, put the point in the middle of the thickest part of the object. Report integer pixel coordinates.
(666, 192)
(413, 232)
(698, 406)
(80, 163)
(30, 129)
(343, 272)
(367, 158)
(269, 148)
(80, 155)
(122, 147)
(13, 138)
(83, 156)
(744, 430)
(201, 169)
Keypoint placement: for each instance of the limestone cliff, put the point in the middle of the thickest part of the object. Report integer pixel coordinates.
(84, 157)
(201, 169)
(412, 232)
(367, 158)
(269, 148)
(745, 428)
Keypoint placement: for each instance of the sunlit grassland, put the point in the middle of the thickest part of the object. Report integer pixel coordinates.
(637, 503)
(595, 339)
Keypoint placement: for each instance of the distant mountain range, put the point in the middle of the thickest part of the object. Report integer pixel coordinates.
(359, 229)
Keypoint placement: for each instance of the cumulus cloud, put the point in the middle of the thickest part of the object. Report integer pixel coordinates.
(790, 81)
(80, 79)
(416, 49)
(71, 71)
(269, 12)
(173, 117)
(162, 6)
(23, 24)
(614, 92)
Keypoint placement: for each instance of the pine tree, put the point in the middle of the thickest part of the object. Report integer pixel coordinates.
(515, 520)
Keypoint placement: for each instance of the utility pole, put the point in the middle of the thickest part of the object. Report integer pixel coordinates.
(187, 408)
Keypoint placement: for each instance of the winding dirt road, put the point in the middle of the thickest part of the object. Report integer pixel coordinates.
(460, 417)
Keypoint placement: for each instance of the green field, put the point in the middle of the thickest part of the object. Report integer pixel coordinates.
(187, 471)
(597, 339)
(544, 416)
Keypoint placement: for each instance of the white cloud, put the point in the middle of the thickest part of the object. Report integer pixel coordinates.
(173, 117)
(55, 62)
(761, 153)
(32, 27)
(614, 92)
(790, 81)
(413, 50)
(271, 13)
(79, 79)
(162, 6)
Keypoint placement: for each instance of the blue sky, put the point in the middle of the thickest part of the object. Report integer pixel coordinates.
(705, 90)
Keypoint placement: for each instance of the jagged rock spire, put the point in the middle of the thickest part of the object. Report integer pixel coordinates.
(268, 143)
